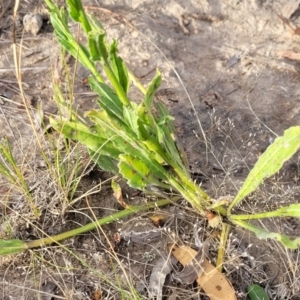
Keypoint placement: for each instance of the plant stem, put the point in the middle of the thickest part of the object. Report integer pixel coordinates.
(222, 247)
(269, 214)
(100, 222)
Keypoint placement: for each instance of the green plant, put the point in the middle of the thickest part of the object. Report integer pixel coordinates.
(10, 170)
(255, 292)
(137, 141)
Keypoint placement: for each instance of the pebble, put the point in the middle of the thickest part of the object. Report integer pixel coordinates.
(32, 23)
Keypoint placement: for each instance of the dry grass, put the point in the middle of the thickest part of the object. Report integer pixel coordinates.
(59, 178)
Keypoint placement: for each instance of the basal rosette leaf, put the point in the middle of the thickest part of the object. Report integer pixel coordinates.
(108, 99)
(264, 234)
(135, 171)
(132, 120)
(90, 137)
(9, 247)
(270, 162)
(105, 162)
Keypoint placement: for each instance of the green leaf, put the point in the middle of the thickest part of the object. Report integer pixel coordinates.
(270, 162)
(8, 247)
(165, 117)
(109, 100)
(113, 130)
(90, 137)
(78, 14)
(118, 67)
(105, 162)
(292, 210)
(264, 234)
(131, 119)
(255, 292)
(59, 21)
(151, 90)
(135, 171)
(75, 8)
(97, 45)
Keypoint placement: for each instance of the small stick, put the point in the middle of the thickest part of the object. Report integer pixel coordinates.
(286, 22)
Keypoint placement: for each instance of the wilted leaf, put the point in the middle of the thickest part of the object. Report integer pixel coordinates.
(118, 194)
(215, 284)
(97, 295)
(193, 269)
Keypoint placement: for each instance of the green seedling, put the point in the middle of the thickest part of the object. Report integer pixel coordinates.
(137, 140)
(255, 292)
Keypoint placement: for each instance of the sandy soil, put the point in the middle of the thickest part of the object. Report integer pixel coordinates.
(224, 74)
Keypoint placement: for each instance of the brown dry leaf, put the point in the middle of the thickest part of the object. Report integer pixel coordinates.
(287, 23)
(194, 268)
(214, 283)
(118, 194)
(97, 295)
(290, 7)
(289, 54)
(157, 219)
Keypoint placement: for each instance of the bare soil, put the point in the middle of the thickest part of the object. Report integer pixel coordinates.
(233, 87)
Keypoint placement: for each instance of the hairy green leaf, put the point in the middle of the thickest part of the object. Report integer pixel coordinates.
(264, 234)
(151, 90)
(118, 66)
(90, 137)
(135, 171)
(292, 210)
(270, 162)
(78, 14)
(8, 247)
(105, 162)
(108, 100)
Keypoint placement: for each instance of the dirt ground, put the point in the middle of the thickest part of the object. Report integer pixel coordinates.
(224, 74)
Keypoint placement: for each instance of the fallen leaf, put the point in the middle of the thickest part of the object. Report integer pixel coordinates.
(287, 22)
(289, 54)
(118, 194)
(97, 295)
(290, 7)
(214, 283)
(158, 277)
(193, 269)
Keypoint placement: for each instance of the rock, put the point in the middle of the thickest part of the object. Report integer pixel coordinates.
(32, 23)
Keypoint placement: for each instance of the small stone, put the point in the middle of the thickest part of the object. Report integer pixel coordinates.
(32, 23)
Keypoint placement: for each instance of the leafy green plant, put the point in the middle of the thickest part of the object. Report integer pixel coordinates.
(137, 141)
(255, 292)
